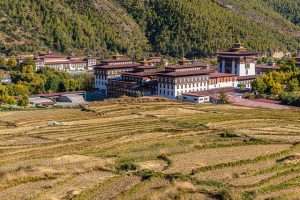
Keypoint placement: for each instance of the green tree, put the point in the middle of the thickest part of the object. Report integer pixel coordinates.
(276, 88)
(259, 85)
(20, 90)
(2, 62)
(23, 100)
(12, 63)
(223, 98)
(293, 85)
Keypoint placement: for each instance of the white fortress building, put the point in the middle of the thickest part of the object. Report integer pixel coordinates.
(236, 68)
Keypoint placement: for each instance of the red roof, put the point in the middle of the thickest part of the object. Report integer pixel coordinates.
(141, 74)
(192, 65)
(221, 75)
(66, 62)
(185, 73)
(245, 78)
(106, 67)
(237, 50)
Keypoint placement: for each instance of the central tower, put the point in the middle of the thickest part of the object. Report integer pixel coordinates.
(237, 60)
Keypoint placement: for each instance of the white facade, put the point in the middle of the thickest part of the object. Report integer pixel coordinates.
(240, 69)
(175, 87)
(91, 62)
(171, 87)
(62, 63)
(246, 69)
(222, 84)
(39, 64)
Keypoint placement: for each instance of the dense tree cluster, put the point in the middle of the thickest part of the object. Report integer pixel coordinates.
(27, 81)
(67, 26)
(193, 27)
(135, 27)
(288, 8)
(283, 84)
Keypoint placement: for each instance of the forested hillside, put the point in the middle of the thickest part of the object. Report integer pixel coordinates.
(171, 27)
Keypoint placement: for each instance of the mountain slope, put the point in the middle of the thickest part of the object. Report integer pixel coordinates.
(173, 27)
(66, 25)
(203, 26)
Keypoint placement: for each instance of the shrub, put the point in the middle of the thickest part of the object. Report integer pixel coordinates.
(228, 134)
(222, 195)
(147, 174)
(23, 101)
(127, 166)
(165, 158)
(249, 195)
(290, 99)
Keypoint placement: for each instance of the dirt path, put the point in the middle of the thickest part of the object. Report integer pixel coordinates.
(254, 104)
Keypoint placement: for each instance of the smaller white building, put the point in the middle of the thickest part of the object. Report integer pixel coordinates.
(196, 98)
(63, 63)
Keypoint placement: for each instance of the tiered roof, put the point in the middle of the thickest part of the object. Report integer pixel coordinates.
(117, 62)
(186, 69)
(54, 58)
(237, 51)
(184, 73)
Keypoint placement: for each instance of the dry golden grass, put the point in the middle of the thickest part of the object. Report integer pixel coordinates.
(148, 148)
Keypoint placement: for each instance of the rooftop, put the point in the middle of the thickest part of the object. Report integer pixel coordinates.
(184, 73)
(65, 62)
(120, 66)
(187, 66)
(245, 78)
(237, 50)
(267, 66)
(221, 75)
(142, 74)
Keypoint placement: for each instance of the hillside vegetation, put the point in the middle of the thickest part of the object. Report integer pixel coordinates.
(135, 27)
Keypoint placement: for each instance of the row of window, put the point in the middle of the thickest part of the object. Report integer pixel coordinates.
(182, 86)
(100, 82)
(172, 93)
(166, 93)
(183, 80)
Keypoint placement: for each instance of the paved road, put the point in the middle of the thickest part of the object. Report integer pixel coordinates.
(236, 100)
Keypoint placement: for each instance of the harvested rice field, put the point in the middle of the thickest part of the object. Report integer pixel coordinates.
(148, 148)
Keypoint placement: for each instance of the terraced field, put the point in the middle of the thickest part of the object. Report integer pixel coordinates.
(150, 149)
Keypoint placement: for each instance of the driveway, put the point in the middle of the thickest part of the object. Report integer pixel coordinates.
(239, 101)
